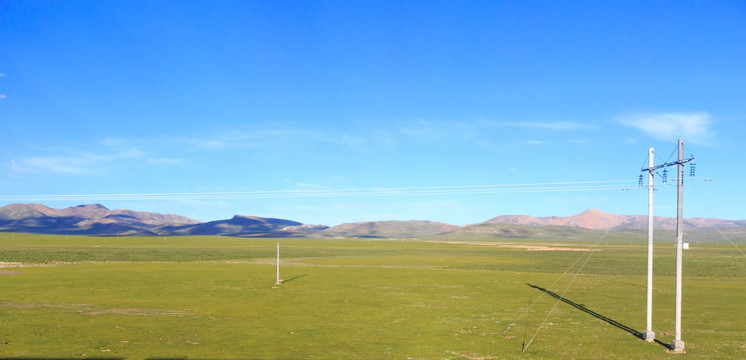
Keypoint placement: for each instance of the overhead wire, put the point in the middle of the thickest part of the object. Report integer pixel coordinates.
(672, 154)
(709, 214)
(587, 255)
(644, 162)
(512, 323)
(563, 293)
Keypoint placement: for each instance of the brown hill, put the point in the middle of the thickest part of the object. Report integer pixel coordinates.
(96, 219)
(92, 219)
(389, 229)
(599, 220)
(242, 225)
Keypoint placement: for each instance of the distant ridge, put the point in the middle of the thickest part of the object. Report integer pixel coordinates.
(96, 219)
(241, 225)
(390, 229)
(599, 220)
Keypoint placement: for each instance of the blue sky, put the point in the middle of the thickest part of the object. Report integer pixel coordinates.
(278, 108)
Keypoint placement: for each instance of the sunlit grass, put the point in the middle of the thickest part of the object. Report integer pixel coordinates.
(202, 297)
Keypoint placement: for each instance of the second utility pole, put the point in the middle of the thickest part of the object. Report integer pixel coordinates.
(677, 345)
(649, 334)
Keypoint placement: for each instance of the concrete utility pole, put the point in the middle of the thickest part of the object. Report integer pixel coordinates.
(649, 334)
(677, 345)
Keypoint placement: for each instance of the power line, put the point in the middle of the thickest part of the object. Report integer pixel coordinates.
(712, 224)
(512, 323)
(561, 297)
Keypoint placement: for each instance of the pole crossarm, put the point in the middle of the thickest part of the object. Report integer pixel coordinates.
(678, 162)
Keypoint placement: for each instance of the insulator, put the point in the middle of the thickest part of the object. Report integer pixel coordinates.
(639, 181)
(665, 176)
(691, 170)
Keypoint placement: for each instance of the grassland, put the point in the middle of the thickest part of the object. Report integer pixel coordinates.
(215, 298)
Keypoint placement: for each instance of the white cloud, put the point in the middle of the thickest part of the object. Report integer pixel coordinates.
(694, 127)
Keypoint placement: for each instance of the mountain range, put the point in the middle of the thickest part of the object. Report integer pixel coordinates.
(95, 219)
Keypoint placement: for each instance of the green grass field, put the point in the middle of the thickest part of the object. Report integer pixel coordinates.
(215, 298)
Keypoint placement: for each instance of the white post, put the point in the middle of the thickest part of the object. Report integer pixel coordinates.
(649, 334)
(278, 264)
(677, 345)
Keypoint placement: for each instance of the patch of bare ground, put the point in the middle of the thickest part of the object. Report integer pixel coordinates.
(299, 263)
(533, 247)
(8, 272)
(272, 261)
(93, 262)
(6, 264)
(521, 246)
(543, 247)
(472, 356)
(91, 310)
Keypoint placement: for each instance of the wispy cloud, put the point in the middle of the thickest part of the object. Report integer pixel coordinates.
(694, 127)
(270, 139)
(555, 125)
(74, 162)
(283, 139)
(425, 131)
(238, 139)
(71, 164)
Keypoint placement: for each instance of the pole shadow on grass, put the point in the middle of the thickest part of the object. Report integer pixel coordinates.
(582, 308)
(293, 278)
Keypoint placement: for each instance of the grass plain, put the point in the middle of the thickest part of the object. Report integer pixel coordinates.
(215, 298)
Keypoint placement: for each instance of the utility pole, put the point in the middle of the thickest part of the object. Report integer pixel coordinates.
(649, 334)
(677, 345)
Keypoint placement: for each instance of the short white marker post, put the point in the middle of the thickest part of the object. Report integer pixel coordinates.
(278, 282)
